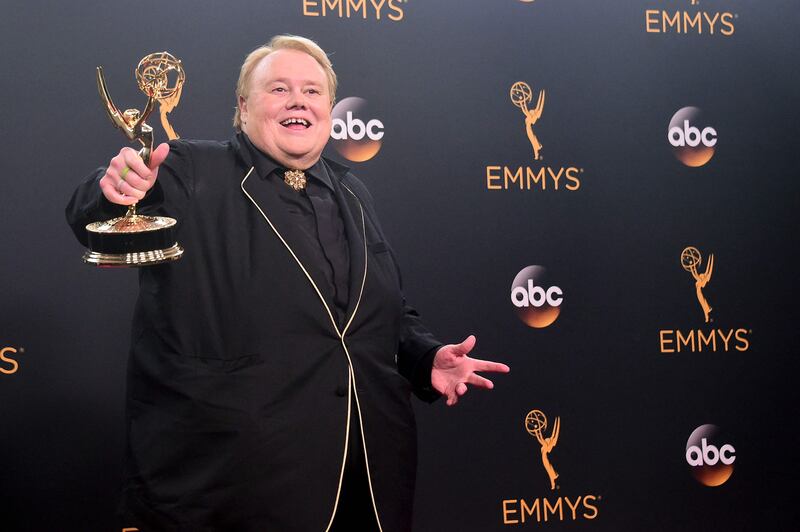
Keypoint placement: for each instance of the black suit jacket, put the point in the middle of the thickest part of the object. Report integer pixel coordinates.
(241, 385)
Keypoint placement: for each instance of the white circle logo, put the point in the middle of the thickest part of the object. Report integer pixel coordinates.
(354, 133)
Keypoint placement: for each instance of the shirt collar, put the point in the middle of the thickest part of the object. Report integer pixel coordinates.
(265, 165)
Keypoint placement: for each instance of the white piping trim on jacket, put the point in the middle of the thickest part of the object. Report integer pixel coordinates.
(352, 391)
(347, 352)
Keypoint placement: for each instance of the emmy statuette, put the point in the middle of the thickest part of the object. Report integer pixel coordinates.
(135, 239)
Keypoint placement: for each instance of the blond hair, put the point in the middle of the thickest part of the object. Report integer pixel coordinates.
(281, 42)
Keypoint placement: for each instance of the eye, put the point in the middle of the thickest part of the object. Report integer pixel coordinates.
(314, 91)
(279, 89)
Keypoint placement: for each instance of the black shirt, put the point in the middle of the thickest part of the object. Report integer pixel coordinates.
(316, 213)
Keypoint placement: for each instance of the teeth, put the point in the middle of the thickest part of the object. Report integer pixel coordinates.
(295, 121)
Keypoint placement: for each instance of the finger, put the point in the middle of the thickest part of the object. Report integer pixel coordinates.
(466, 346)
(135, 181)
(156, 158)
(127, 186)
(136, 164)
(112, 194)
(480, 382)
(124, 188)
(488, 365)
(119, 160)
(158, 155)
(452, 398)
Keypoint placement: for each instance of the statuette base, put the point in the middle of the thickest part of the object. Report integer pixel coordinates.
(132, 241)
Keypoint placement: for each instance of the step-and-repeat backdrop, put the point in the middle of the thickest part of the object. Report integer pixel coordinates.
(604, 192)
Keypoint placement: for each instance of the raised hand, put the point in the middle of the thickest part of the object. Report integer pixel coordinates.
(127, 178)
(453, 370)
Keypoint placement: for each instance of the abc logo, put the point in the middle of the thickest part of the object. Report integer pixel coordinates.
(356, 137)
(692, 144)
(711, 463)
(536, 299)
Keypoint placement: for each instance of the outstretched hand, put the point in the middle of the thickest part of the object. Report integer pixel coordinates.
(453, 370)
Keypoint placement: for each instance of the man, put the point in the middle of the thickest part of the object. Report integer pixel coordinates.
(270, 368)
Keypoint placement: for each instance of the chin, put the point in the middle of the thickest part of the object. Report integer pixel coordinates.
(302, 151)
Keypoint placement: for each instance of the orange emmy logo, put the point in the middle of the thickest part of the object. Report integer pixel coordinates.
(521, 96)
(535, 424)
(708, 337)
(691, 260)
(687, 22)
(553, 507)
(539, 177)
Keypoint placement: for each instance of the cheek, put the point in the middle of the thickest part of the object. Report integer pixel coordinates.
(324, 135)
(325, 130)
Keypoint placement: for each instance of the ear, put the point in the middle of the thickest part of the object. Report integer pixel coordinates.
(243, 108)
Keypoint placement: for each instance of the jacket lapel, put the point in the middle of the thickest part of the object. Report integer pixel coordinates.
(273, 211)
(354, 224)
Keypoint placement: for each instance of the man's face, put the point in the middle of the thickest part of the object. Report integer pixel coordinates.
(287, 112)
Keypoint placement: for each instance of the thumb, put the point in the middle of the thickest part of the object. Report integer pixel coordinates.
(466, 346)
(158, 155)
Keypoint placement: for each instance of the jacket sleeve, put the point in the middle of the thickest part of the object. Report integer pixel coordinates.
(418, 347)
(168, 197)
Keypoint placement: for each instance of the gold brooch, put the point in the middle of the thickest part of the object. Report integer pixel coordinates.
(295, 179)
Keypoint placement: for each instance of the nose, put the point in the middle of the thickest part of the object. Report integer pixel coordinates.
(296, 100)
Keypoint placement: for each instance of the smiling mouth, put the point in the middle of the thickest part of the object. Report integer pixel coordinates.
(296, 123)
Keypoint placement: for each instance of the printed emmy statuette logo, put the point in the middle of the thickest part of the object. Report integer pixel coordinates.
(711, 464)
(516, 176)
(555, 506)
(535, 424)
(691, 145)
(521, 96)
(691, 260)
(355, 137)
(711, 336)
